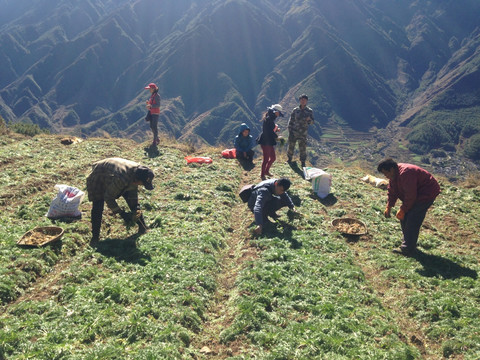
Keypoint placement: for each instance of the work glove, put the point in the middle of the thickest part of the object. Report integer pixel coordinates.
(400, 214)
(386, 213)
(127, 217)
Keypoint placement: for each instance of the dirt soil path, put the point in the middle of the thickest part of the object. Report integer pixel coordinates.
(236, 254)
(412, 332)
(45, 287)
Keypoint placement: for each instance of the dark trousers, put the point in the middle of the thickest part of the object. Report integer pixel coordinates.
(97, 212)
(270, 207)
(154, 127)
(268, 158)
(241, 156)
(412, 223)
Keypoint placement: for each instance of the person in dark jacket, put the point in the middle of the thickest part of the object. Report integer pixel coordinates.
(153, 107)
(417, 189)
(244, 144)
(111, 178)
(268, 138)
(267, 197)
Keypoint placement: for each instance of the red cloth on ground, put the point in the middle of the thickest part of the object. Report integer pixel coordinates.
(198, 159)
(229, 153)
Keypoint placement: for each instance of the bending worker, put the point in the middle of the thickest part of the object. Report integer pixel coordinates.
(111, 178)
(417, 189)
(267, 197)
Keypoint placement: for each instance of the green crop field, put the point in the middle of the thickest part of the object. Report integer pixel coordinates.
(199, 285)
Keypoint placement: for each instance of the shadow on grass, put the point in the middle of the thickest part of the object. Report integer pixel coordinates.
(351, 238)
(123, 250)
(434, 265)
(297, 201)
(152, 151)
(294, 166)
(330, 200)
(66, 219)
(282, 230)
(245, 164)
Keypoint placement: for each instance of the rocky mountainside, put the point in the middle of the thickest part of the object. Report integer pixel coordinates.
(81, 67)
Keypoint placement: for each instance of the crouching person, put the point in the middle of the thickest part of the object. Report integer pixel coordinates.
(111, 178)
(244, 144)
(266, 198)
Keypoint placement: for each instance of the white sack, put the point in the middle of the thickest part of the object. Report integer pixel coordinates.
(66, 203)
(321, 181)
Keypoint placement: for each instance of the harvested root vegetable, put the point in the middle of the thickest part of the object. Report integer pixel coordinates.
(349, 226)
(40, 236)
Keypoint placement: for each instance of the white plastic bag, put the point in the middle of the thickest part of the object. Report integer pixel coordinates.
(321, 181)
(66, 203)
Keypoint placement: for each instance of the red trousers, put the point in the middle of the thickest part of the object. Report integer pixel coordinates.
(268, 158)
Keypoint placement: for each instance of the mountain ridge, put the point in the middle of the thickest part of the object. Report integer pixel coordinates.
(81, 68)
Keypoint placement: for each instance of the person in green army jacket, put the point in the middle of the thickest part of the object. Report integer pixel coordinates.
(301, 117)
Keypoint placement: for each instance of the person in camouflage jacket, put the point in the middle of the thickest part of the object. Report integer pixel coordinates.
(111, 178)
(301, 117)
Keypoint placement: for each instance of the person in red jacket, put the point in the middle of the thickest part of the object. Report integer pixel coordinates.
(153, 106)
(417, 189)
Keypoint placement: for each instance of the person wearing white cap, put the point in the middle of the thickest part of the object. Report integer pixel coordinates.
(268, 138)
(153, 106)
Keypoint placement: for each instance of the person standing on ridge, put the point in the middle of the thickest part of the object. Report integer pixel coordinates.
(268, 138)
(301, 117)
(244, 144)
(153, 107)
(111, 178)
(417, 189)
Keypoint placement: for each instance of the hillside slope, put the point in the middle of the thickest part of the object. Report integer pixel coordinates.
(199, 285)
(81, 67)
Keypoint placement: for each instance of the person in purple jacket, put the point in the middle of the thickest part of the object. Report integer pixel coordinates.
(417, 189)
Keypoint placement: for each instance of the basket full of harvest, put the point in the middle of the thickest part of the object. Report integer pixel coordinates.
(41, 236)
(350, 226)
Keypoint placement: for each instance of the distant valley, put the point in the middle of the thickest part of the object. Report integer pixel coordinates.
(392, 77)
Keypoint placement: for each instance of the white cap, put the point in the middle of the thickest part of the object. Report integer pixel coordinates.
(277, 107)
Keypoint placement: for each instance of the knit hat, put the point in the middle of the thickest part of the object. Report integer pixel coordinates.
(145, 175)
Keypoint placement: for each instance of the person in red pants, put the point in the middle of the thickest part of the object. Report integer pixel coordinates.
(417, 189)
(268, 138)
